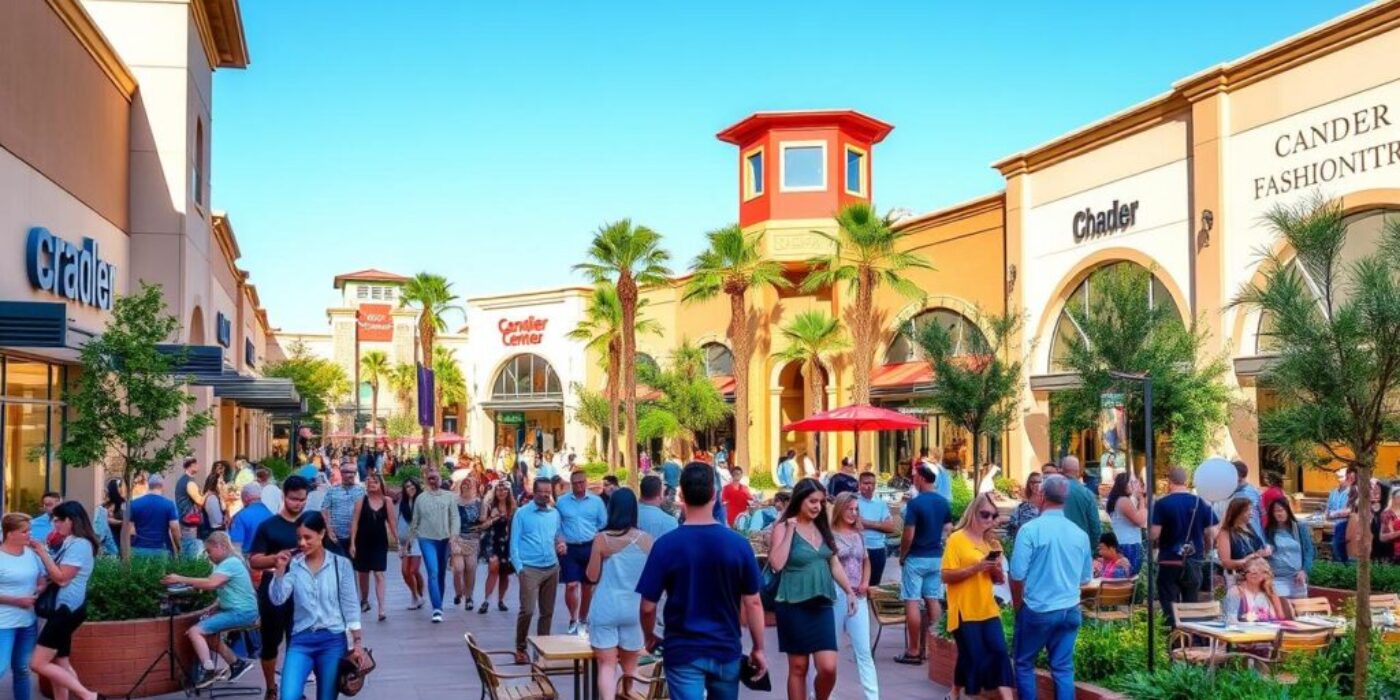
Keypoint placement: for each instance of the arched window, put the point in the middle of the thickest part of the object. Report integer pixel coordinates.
(967, 337)
(1365, 231)
(1082, 298)
(645, 360)
(526, 376)
(719, 361)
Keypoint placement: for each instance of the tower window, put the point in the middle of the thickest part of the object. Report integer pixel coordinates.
(855, 171)
(804, 166)
(753, 174)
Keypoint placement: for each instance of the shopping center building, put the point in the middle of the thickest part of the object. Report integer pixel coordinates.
(105, 143)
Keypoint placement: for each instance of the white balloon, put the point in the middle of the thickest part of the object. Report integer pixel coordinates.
(1216, 479)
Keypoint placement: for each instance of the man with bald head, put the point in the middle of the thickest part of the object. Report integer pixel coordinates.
(1082, 506)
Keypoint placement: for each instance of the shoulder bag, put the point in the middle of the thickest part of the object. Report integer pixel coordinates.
(350, 675)
(47, 603)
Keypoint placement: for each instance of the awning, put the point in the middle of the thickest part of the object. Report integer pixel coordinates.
(265, 393)
(525, 404)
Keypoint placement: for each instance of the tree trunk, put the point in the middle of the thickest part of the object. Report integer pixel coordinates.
(815, 387)
(614, 402)
(864, 336)
(1363, 572)
(740, 341)
(976, 462)
(374, 406)
(627, 294)
(425, 331)
(124, 541)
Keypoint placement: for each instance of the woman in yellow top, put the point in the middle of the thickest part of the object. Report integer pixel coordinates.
(971, 566)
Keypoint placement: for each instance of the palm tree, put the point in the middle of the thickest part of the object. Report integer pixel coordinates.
(601, 330)
(432, 296)
(403, 379)
(688, 403)
(867, 255)
(374, 368)
(628, 256)
(732, 265)
(812, 336)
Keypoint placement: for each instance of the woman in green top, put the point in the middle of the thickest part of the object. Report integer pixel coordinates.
(804, 552)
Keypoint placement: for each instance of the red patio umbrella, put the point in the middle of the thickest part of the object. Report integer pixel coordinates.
(449, 438)
(855, 418)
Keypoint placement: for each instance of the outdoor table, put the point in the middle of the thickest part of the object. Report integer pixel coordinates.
(1238, 633)
(575, 649)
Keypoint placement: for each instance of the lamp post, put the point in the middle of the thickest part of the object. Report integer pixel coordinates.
(1146, 381)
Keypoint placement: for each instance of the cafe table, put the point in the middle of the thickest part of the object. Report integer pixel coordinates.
(1239, 633)
(573, 649)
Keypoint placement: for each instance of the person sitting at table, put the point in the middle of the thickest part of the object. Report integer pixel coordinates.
(1237, 542)
(1111, 564)
(1253, 598)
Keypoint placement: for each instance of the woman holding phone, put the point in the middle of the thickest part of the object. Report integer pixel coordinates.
(972, 562)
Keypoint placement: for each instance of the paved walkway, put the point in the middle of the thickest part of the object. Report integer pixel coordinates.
(422, 661)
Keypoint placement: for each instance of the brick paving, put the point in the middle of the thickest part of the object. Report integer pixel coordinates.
(422, 661)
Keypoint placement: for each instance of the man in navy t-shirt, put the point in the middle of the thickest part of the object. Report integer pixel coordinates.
(703, 597)
(927, 520)
(153, 521)
(1181, 524)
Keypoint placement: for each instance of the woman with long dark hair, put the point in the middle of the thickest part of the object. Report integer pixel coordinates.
(1237, 542)
(371, 528)
(214, 499)
(1029, 507)
(1127, 513)
(614, 623)
(1293, 553)
(69, 569)
(410, 559)
(804, 553)
(495, 544)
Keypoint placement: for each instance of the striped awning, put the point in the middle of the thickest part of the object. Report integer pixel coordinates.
(901, 375)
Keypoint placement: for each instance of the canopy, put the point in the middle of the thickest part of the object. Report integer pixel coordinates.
(855, 418)
(449, 438)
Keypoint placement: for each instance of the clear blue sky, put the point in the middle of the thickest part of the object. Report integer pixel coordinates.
(486, 140)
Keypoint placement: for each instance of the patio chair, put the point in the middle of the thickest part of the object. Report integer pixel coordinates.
(1287, 643)
(1113, 600)
(1182, 644)
(649, 683)
(532, 685)
(1309, 606)
(887, 609)
(1385, 601)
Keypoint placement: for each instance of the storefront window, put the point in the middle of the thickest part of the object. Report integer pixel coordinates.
(967, 337)
(526, 376)
(31, 428)
(719, 361)
(1082, 298)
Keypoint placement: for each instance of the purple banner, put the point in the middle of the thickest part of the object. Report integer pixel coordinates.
(425, 397)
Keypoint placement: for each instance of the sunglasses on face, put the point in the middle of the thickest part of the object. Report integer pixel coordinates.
(986, 514)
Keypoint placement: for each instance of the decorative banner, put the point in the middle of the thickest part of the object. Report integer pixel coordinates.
(1113, 434)
(374, 323)
(426, 418)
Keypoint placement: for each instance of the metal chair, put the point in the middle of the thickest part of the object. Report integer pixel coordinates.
(1309, 606)
(494, 683)
(1183, 647)
(1113, 600)
(887, 609)
(649, 683)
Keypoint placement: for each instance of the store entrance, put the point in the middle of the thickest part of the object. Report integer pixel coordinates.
(542, 430)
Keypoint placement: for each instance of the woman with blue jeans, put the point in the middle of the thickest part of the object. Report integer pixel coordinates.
(326, 606)
(21, 580)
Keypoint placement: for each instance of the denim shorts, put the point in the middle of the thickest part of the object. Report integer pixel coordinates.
(225, 620)
(921, 578)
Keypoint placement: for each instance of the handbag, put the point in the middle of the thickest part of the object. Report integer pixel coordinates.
(349, 674)
(47, 603)
(768, 592)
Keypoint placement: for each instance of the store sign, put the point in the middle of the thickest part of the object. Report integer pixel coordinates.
(374, 323)
(527, 332)
(510, 418)
(1306, 168)
(65, 269)
(1118, 217)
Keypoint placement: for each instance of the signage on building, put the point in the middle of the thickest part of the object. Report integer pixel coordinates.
(527, 332)
(1090, 224)
(374, 323)
(65, 269)
(223, 329)
(1296, 145)
(510, 418)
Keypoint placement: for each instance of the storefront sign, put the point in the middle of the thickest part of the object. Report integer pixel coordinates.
(510, 418)
(527, 332)
(1113, 433)
(67, 270)
(1296, 145)
(1089, 224)
(374, 323)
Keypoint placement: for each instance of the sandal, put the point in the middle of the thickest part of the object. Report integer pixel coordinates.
(484, 607)
(909, 660)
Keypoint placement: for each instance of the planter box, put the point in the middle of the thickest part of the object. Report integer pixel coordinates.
(1338, 597)
(110, 656)
(943, 657)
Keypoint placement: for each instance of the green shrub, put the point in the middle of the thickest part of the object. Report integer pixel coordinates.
(280, 468)
(1006, 487)
(404, 472)
(1331, 670)
(962, 495)
(1194, 682)
(762, 480)
(131, 590)
(1385, 578)
(1102, 650)
(596, 470)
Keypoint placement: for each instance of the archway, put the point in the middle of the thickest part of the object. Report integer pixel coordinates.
(719, 360)
(967, 337)
(799, 396)
(527, 403)
(196, 329)
(1082, 298)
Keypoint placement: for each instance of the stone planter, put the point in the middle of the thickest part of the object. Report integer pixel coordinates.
(943, 657)
(110, 656)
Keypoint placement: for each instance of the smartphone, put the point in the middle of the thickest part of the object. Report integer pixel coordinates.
(994, 555)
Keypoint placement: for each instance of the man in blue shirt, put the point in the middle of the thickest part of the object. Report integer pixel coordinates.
(650, 518)
(42, 525)
(1338, 512)
(704, 595)
(245, 523)
(536, 541)
(1053, 559)
(153, 521)
(876, 523)
(927, 521)
(787, 470)
(671, 475)
(583, 514)
(1182, 523)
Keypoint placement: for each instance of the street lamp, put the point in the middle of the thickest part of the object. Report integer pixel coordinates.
(1146, 381)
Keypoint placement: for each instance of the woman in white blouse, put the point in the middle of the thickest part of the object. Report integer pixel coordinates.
(322, 586)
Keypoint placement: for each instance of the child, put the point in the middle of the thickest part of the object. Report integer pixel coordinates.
(1111, 563)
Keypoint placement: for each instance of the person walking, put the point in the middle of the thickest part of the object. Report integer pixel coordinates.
(410, 556)
(1181, 524)
(69, 569)
(971, 567)
(928, 519)
(371, 529)
(1082, 508)
(706, 598)
(1293, 552)
(582, 515)
(614, 626)
(876, 525)
(536, 543)
(495, 545)
(21, 581)
(237, 607)
(852, 552)
(1127, 515)
(434, 524)
(189, 502)
(1053, 559)
(245, 523)
(153, 525)
(338, 508)
(320, 584)
(466, 543)
(787, 470)
(650, 517)
(276, 535)
(804, 554)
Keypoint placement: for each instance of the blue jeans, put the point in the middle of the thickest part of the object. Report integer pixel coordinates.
(17, 645)
(1055, 632)
(1339, 542)
(148, 552)
(703, 678)
(435, 560)
(191, 547)
(1133, 553)
(312, 651)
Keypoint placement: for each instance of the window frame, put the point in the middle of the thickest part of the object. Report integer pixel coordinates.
(753, 186)
(784, 147)
(863, 172)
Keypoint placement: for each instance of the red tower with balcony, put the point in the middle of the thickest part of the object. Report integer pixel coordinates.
(803, 165)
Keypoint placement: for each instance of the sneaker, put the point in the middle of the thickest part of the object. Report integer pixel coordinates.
(238, 668)
(484, 607)
(205, 677)
(469, 605)
(437, 616)
(573, 627)
(500, 605)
